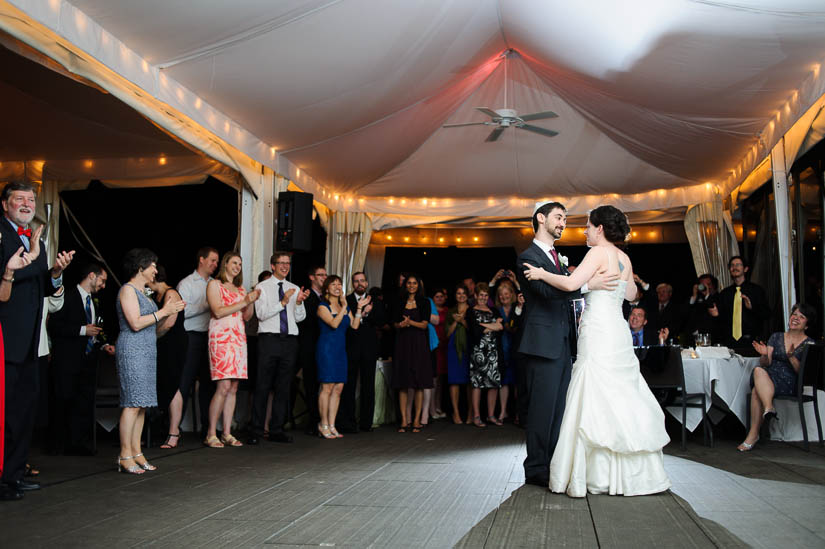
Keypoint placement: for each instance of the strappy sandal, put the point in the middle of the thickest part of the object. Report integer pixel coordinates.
(478, 423)
(213, 442)
(403, 428)
(494, 420)
(129, 469)
(324, 432)
(168, 444)
(335, 433)
(745, 447)
(31, 471)
(417, 428)
(229, 440)
(146, 466)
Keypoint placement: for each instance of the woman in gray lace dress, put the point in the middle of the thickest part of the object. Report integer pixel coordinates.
(136, 353)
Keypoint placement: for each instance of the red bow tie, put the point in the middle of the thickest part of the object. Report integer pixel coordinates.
(21, 231)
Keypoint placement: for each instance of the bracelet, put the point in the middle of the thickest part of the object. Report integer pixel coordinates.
(357, 315)
(156, 317)
(8, 279)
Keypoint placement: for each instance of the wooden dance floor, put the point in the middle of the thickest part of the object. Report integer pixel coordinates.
(448, 486)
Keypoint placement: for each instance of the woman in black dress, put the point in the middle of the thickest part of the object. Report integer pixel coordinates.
(412, 365)
(777, 370)
(171, 353)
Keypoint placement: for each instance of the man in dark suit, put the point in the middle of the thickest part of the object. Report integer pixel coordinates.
(663, 312)
(75, 342)
(639, 330)
(20, 317)
(362, 354)
(546, 340)
(308, 332)
(741, 309)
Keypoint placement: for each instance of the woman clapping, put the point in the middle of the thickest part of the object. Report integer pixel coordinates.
(331, 353)
(231, 306)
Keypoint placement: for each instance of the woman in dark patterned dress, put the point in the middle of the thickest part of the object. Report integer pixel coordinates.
(412, 365)
(777, 370)
(485, 334)
(136, 354)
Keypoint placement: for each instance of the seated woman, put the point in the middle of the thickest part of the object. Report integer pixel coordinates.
(777, 370)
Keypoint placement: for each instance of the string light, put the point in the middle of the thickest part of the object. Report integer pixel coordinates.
(475, 239)
(162, 160)
(406, 239)
(88, 163)
(441, 239)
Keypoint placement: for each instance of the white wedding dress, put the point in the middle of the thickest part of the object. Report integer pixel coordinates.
(613, 429)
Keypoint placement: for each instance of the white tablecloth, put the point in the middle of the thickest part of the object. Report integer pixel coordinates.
(729, 380)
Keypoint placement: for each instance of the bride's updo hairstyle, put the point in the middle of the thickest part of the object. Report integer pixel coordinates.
(613, 222)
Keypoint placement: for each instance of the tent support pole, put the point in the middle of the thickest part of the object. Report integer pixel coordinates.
(783, 228)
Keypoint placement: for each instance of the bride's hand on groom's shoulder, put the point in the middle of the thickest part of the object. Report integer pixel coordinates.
(603, 281)
(533, 273)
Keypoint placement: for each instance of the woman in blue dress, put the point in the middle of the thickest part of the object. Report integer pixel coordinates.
(777, 371)
(136, 353)
(458, 353)
(331, 351)
(510, 310)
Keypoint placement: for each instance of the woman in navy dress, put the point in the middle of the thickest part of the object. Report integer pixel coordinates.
(331, 351)
(510, 311)
(458, 355)
(777, 370)
(136, 354)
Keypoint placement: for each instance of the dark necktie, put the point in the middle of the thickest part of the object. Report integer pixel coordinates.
(555, 255)
(637, 339)
(90, 344)
(284, 317)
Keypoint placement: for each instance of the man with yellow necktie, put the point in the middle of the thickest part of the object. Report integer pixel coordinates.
(742, 308)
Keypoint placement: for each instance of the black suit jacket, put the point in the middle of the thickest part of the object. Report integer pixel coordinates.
(366, 335)
(649, 336)
(671, 317)
(68, 346)
(753, 319)
(21, 314)
(547, 326)
(308, 329)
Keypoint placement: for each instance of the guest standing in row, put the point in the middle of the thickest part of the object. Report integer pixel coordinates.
(440, 300)
(20, 320)
(136, 353)
(280, 308)
(231, 307)
(74, 331)
(334, 318)
(308, 339)
(193, 291)
(412, 368)
(510, 310)
(458, 352)
(172, 343)
(362, 351)
(485, 332)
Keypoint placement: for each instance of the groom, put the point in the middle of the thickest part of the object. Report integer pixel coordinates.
(546, 339)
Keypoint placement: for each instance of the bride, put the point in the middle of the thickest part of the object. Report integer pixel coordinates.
(613, 429)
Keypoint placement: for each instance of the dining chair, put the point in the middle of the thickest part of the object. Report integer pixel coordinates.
(809, 375)
(662, 368)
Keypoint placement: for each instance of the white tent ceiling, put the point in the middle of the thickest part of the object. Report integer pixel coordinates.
(661, 103)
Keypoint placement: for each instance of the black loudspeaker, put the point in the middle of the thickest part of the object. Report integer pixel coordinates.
(294, 232)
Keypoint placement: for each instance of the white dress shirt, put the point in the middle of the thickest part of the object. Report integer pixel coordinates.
(196, 313)
(51, 304)
(83, 294)
(268, 307)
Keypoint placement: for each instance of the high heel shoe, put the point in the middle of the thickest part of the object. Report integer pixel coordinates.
(745, 447)
(132, 469)
(146, 466)
(335, 433)
(324, 432)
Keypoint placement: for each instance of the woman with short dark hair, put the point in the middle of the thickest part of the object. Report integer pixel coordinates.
(136, 354)
(778, 369)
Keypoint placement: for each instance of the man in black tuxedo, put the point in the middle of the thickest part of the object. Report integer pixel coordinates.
(20, 317)
(642, 334)
(546, 340)
(664, 312)
(362, 353)
(75, 342)
(308, 333)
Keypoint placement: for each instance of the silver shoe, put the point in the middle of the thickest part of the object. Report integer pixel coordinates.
(132, 469)
(146, 466)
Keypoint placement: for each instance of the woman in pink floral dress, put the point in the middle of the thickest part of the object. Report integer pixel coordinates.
(231, 307)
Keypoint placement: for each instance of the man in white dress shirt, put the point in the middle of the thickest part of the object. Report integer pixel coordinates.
(279, 309)
(196, 323)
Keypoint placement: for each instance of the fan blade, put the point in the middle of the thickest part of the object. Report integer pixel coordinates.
(494, 134)
(538, 116)
(467, 124)
(489, 112)
(536, 129)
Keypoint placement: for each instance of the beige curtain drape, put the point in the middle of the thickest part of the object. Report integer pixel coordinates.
(348, 238)
(712, 240)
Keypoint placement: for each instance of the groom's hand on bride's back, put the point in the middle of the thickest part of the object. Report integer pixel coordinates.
(603, 281)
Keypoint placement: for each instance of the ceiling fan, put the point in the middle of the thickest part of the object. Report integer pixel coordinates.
(505, 118)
